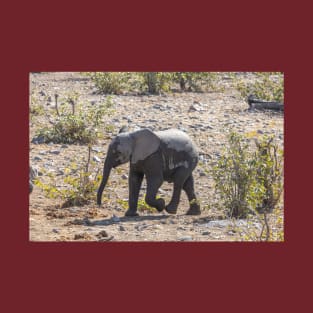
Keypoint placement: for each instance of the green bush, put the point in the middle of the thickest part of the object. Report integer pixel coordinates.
(77, 125)
(249, 181)
(142, 205)
(110, 82)
(82, 185)
(196, 81)
(152, 82)
(268, 86)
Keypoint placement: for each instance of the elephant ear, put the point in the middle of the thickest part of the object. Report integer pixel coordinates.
(146, 143)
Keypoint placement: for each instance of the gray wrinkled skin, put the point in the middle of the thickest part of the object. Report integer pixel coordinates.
(168, 155)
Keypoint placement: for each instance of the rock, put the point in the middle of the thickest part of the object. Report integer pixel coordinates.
(206, 233)
(115, 219)
(195, 108)
(55, 152)
(96, 149)
(37, 158)
(124, 176)
(102, 234)
(64, 146)
(202, 173)
(96, 159)
(185, 238)
(141, 227)
(225, 223)
(55, 230)
(38, 140)
(122, 228)
(259, 131)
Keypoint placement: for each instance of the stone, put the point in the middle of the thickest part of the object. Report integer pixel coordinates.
(55, 152)
(122, 228)
(185, 238)
(37, 158)
(38, 140)
(202, 173)
(124, 176)
(102, 234)
(195, 108)
(96, 159)
(115, 219)
(96, 149)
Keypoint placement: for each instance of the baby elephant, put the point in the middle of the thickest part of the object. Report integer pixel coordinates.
(168, 155)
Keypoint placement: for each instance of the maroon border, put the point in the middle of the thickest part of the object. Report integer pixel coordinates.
(152, 277)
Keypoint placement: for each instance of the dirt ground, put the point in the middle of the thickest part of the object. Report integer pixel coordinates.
(206, 117)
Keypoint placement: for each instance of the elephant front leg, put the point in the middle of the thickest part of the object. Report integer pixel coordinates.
(153, 185)
(134, 181)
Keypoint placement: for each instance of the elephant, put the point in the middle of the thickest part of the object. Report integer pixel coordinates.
(168, 155)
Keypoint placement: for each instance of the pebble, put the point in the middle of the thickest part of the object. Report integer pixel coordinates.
(96, 149)
(37, 158)
(115, 219)
(185, 238)
(122, 228)
(55, 152)
(202, 173)
(102, 233)
(205, 233)
(124, 176)
(38, 140)
(96, 159)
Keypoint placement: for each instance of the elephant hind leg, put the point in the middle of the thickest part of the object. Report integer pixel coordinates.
(179, 179)
(190, 191)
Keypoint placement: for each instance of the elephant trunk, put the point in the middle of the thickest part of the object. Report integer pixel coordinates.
(106, 173)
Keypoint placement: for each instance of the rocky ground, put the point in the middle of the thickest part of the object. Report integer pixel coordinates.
(206, 117)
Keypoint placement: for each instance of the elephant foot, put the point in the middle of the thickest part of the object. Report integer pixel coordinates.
(131, 213)
(170, 209)
(194, 209)
(160, 205)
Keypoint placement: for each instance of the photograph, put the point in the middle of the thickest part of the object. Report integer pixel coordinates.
(156, 156)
